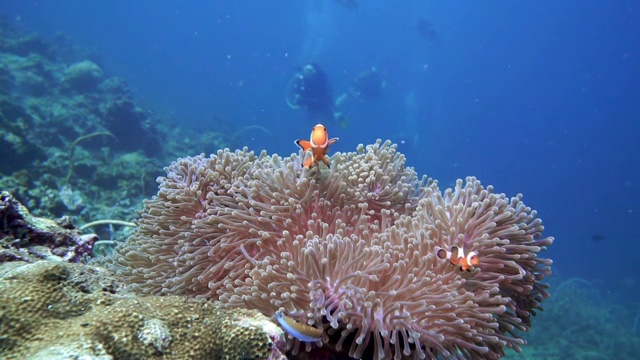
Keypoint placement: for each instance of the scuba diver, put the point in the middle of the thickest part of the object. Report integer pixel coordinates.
(366, 86)
(310, 89)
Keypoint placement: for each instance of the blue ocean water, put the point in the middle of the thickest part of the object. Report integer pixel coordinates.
(540, 98)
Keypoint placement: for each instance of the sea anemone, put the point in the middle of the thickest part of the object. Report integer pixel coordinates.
(349, 250)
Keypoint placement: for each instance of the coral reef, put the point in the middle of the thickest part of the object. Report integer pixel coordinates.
(28, 238)
(55, 310)
(83, 76)
(581, 321)
(52, 98)
(131, 127)
(55, 99)
(351, 251)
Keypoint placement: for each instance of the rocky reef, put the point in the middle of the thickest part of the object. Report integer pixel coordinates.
(28, 238)
(57, 310)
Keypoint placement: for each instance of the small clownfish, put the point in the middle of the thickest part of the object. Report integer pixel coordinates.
(457, 257)
(317, 147)
(300, 331)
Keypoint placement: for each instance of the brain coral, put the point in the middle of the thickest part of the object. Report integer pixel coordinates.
(351, 251)
(56, 310)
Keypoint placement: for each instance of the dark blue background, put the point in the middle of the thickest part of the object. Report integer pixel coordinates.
(538, 97)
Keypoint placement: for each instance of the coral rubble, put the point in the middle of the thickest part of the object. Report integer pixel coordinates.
(56, 310)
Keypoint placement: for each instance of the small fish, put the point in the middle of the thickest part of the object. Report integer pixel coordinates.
(317, 147)
(598, 237)
(457, 257)
(300, 331)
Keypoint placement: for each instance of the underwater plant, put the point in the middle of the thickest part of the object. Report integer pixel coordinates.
(378, 262)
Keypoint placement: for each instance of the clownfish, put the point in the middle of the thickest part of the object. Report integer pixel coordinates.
(317, 147)
(457, 257)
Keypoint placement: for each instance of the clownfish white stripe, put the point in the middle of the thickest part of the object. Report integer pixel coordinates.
(457, 257)
(302, 332)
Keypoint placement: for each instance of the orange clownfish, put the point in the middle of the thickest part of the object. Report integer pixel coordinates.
(457, 257)
(317, 147)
